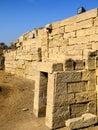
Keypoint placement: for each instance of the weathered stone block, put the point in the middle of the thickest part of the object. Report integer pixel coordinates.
(96, 30)
(62, 30)
(85, 24)
(92, 95)
(70, 28)
(61, 111)
(77, 110)
(55, 25)
(55, 31)
(57, 67)
(79, 65)
(69, 65)
(85, 120)
(70, 35)
(95, 46)
(88, 75)
(87, 15)
(74, 123)
(92, 107)
(96, 21)
(77, 87)
(81, 97)
(61, 88)
(71, 98)
(59, 122)
(65, 77)
(68, 21)
(79, 40)
(93, 38)
(86, 32)
(60, 99)
(21, 38)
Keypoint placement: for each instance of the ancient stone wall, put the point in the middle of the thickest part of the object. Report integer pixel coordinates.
(69, 38)
(62, 58)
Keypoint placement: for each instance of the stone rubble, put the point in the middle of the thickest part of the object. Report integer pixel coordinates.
(85, 120)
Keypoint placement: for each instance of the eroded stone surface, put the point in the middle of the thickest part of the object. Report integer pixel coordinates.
(85, 120)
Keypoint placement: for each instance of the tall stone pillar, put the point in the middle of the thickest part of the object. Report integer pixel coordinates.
(40, 95)
(36, 93)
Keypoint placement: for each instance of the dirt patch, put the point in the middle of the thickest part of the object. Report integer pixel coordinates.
(16, 104)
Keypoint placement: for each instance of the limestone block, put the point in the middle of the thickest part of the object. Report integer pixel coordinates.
(79, 65)
(91, 64)
(91, 85)
(74, 57)
(70, 35)
(80, 32)
(79, 40)
(77, 110)
(62, 30)
(60, 121)
(21, 38)
(61, 111)
(73, 52)
(92, 107)
(85, 120)
(96, 30)
(61, 88)
(60, 99)
(86, 32)
(68, 21)
(70, 28)
(55, 31)
(81, 97)
(74, 123)
(87, 15)
(95, 46)
(71, 98)
(69, 76)
(88, 75)
(77, 87)
(94, 38)
(69, 65)
(96, 21)
(85, 24)
(86, 54)
(92, 95)
(31, 34)
(18, 44)
(90, 31)
(97, 80)
(49, 67)
(55, 25)
(57, 67)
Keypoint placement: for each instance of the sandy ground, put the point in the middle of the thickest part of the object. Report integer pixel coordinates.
(16, 105)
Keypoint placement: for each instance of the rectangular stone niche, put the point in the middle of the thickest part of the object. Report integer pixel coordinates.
(43, 93)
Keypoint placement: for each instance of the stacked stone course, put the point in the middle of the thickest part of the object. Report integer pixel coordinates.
(62, 58)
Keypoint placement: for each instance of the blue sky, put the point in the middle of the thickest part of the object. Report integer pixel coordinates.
(20, 16)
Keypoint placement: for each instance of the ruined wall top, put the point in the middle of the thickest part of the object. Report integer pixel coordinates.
(71, 38)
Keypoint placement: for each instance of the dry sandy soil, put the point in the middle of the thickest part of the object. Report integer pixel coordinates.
(16, 105)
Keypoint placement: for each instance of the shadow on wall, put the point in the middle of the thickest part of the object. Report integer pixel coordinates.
(2, 60)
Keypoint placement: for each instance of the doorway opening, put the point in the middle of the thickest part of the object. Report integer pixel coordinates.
(43, 93)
